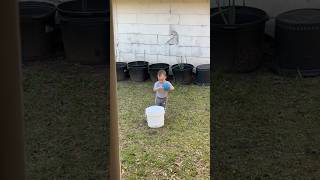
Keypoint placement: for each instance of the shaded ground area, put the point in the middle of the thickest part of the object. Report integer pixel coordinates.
(66, 121)
(267, 126)
(179, 150)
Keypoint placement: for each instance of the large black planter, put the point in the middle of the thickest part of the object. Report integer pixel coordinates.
(154, 68)
(138, 71)
(203, 74)
(85, 31)
(183, 73)
(122, 71)
(238, 47)
(58, 43)
(297, 42)
(37, 30)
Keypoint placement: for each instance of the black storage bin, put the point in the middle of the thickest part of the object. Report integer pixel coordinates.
(238, 47)
(183, 73)
(58, 42)
(37, 25)
(85, 31)
(138, 71)
(122, 71)
(154, 68)
(203, 74)
(297, 42)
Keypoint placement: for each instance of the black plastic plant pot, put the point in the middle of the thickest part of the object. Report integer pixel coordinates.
(58, 43)
(122, 71)
(203, 74)
(154, 68)
(37, 25)
(183, 73)
(84, 8)
(297, 43)
(238, 47)
(138, 64)
(138, 71)
(85, 31)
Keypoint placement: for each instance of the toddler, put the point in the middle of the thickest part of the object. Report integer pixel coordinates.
(162, 87)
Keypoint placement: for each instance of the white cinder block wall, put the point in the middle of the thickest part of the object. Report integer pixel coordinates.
(144, 29)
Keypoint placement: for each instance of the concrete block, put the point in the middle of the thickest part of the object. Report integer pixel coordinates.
(127, 18)
(153, 29)
(155, 6)
(194, 19)
(186, 30)
(198, 60)
(138, 38)
(127, 6)
(125, 48)
(126, 57)
(157, 18)
(163, 39)
(167, 59)
(128, 28)
(190, 7)
(202, 41)
(204, 52)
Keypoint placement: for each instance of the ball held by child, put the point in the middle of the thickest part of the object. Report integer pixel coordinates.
(166, 86)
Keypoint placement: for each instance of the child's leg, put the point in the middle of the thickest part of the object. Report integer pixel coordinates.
(164, 103)
(161, 101)
(158, 101)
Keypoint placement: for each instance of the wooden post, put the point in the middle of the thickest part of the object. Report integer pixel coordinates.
(115, 170)
(11, 127)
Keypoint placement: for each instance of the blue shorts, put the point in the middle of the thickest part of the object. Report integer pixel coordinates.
(161, 101)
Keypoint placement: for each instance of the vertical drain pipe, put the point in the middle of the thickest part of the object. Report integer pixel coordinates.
(115, 172)
(11, 127)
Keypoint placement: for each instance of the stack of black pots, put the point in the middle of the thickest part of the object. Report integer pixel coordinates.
(297, 39)
(37, 22)
(122, 71)
(140, 71)
(154, 68)
(203, 74)
(85, 32)
(238, 47)
(183, 73)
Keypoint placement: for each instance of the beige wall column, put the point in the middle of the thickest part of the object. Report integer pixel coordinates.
(114, 151)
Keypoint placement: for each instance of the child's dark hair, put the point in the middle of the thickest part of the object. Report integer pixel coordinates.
(162, 72)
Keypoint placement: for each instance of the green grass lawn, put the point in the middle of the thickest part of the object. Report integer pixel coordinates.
(66, 121)
(180, 149)
(267, 126)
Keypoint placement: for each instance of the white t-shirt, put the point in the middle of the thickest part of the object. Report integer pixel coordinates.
(159, 94)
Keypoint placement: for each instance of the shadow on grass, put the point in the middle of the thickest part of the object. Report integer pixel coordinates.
(267, 126)
(66, 121)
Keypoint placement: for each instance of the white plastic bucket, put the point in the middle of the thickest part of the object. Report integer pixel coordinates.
(155, 116)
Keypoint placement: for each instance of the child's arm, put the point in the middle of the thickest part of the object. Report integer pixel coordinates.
(158, 89)
(155, 89)
(171, 87)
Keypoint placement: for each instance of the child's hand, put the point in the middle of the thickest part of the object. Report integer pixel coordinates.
(160, 89)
